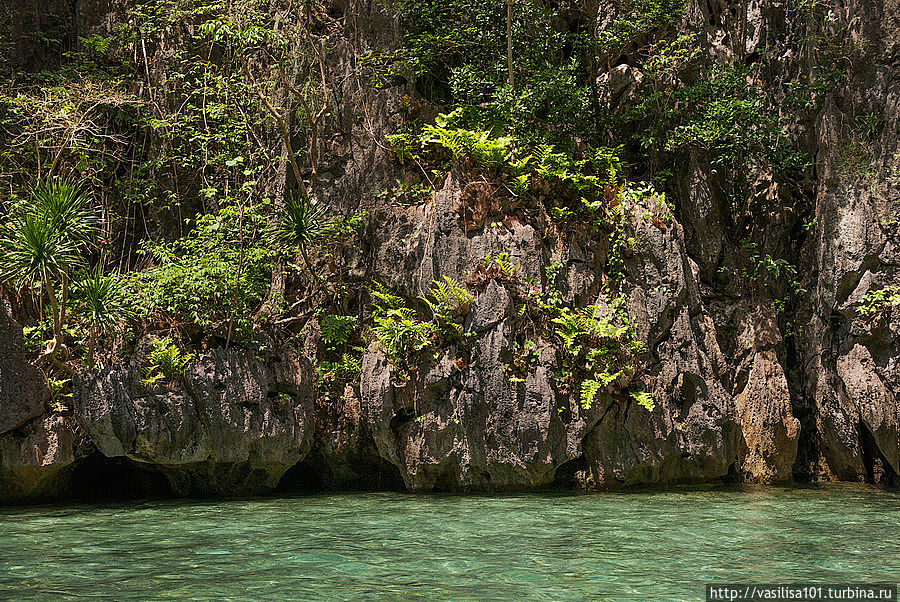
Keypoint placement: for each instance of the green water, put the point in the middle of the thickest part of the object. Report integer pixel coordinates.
(646, 545)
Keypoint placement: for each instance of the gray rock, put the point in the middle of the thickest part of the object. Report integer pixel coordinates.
(37, 459)
(23, 388)
(233, 427)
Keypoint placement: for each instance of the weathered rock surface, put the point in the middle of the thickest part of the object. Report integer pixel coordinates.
(37, 450)
(739, 394)
(233, 427)
(23, 387)
(457, 427)
(692, 434)
(343, 454)
(37, 459)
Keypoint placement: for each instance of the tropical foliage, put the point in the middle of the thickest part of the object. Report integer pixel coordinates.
(165, 362)
(199, 139)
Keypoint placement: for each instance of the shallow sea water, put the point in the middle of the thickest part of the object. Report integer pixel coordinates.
(654, 545)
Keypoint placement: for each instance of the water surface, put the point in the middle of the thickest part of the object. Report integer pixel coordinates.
(641, 545)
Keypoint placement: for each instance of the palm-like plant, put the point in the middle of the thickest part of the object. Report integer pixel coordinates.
(103, 302)
(43, 239)
(302, 223)
(35, 255)
(33, 250)
(67, 205)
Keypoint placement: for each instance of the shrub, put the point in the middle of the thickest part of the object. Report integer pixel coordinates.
(724, 114)
(878, 300)
(219, 271)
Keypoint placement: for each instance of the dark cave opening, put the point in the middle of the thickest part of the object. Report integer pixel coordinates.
(100, 478)
(302, 477)
(878, 470)
(362, 471)
(567, 473)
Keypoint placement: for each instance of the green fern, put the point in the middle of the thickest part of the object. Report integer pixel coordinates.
(644, 399)
(151, 377)
(346, 370)
(588, 325)
(402, 143)
(478, 145)
(401, 334)
(385, 300)
(449, 303)
(397, 328)
(504, 265)
(336, 329)
(165, 362)
(589, 388)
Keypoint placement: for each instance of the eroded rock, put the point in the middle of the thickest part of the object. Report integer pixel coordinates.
(36, 459)
(233, 427)
(23, 387)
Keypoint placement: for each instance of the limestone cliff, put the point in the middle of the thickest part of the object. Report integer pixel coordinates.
(743, 392)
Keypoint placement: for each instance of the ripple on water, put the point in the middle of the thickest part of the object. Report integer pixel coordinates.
(644, 545)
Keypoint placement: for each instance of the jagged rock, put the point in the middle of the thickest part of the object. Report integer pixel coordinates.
(620, 84)
(467, 425)
(770, 430)
(692, 434)
(37, 450)
(859, 417)
(23, 388)
(233, 427)
(876, 407)
(850, 364)
(37, 458)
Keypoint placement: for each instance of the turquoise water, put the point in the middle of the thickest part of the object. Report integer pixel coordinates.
(644, 545)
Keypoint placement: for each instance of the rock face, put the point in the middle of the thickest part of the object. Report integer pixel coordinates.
(850, 360)
(743, 391)
(472, 428)
(37, 459)
(32, 31)
(23, 388)
(37, 450)
(692, 435)
(460, 423)
(233, 427)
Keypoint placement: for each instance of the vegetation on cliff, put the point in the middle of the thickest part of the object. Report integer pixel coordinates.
(165, 176)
